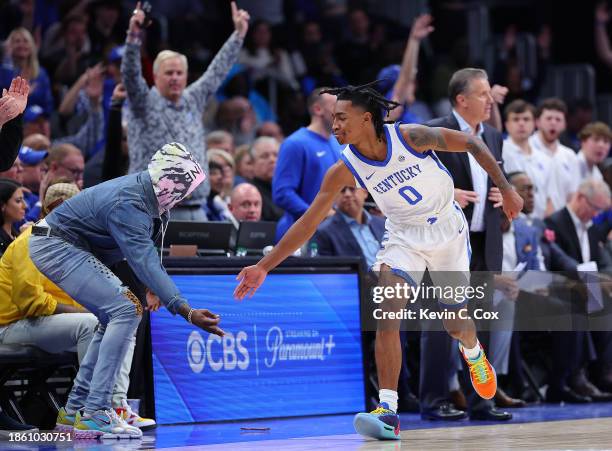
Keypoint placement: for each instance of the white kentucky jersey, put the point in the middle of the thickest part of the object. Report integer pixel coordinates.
(409, 187)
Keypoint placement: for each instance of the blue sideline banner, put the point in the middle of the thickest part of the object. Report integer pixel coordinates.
(293, 349)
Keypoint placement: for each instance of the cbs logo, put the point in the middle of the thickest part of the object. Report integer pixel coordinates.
(222, 353)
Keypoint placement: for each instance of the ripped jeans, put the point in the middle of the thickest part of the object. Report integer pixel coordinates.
(94, 286)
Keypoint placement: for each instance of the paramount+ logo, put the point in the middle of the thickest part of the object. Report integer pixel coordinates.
(229, 353)
(220, 353)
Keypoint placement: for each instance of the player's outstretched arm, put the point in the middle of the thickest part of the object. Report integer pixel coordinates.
(424, 138)
(251, 277)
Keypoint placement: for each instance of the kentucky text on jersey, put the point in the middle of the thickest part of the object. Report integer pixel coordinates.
(397, 178)
(409, 187)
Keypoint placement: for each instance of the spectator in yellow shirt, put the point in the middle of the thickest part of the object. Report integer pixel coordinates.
(32, 296)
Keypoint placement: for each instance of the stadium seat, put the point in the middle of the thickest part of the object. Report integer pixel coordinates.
(34, 366)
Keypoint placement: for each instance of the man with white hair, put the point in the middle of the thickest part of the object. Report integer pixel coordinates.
(171, 111)
(572, 224)
(265, 153)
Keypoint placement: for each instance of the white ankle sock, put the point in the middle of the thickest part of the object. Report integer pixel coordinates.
(472, 353)
(388, 396)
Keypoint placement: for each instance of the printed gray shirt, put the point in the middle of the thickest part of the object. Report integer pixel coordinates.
(154, 120)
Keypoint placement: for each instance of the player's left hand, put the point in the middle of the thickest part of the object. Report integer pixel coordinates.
(241, 20)
(513, 203)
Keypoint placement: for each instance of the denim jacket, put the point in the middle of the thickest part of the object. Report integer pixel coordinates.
(115, 220)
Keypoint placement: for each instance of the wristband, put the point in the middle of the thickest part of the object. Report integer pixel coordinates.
(189, 315)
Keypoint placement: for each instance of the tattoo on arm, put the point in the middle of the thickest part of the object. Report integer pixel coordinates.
(485, 159)
(474, 146)
(426, 138)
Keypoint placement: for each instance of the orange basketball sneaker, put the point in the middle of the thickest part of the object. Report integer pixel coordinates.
(482, 374)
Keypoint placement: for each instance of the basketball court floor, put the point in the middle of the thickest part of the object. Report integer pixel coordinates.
(537, 427)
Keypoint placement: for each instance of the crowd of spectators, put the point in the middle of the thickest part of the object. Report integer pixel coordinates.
(107, 90)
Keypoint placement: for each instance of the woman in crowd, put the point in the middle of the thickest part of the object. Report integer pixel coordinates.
(244, 164)
(226, 162)
(216, 206)
(12, 209)
(21, 58)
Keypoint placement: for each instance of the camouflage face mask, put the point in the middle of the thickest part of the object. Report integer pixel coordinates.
(175, 174)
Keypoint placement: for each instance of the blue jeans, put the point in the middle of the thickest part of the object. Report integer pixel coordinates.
(54, 333)
(94, 286)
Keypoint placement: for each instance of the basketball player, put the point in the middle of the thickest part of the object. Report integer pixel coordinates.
(425, 228)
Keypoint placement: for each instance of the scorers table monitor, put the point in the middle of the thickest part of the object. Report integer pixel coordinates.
(293, 349)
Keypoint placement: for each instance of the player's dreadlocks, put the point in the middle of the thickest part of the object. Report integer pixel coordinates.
(369, 99)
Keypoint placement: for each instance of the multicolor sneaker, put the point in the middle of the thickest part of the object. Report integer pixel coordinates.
(103, 424)
(126, 413)
(65, 421)
(381, 423)
(482, 374)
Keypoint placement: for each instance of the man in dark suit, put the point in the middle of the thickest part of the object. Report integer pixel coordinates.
(580, 240)
(572, 224)
(470, 96)
(352, 230)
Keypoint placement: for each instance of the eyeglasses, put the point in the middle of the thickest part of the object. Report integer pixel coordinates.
(76, 172)
(594, 207)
